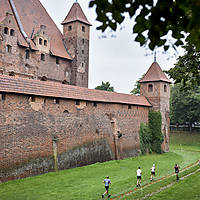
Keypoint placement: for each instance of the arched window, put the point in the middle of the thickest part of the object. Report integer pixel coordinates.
(12, 32)
(40, 41)
(45, 42)
(150, 88)
(8, 48)
(165, 88)
(6, 30)
(27, 54)
(69, 28)
(43, 57)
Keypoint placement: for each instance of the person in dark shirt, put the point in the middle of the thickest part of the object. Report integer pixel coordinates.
(176, 168)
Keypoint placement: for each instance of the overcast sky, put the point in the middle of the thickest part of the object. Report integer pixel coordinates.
(119, 59)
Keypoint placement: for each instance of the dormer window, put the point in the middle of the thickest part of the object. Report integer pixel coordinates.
(83, 28)
(12, 32)
(43, 57)
(150, 88)
(8, 49)
(45, 42)
(69, 28)
(6, 30)
(40, 41)
(27, 54)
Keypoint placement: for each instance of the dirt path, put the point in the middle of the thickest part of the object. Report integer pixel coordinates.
(167, 186)
(161, 189)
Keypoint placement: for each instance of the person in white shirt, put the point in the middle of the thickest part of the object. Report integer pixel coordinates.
(107, 182)
(139, 176)
(153, 172)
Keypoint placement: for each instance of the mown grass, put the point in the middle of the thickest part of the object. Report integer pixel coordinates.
(85, 183)
(186, 189)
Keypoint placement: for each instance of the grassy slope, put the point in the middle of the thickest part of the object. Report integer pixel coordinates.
(186, 189)
(86, 182)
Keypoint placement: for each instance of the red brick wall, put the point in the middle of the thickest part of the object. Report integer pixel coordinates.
(81, 134)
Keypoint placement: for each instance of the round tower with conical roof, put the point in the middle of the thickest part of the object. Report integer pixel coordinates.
(76, 36)
(155, 86)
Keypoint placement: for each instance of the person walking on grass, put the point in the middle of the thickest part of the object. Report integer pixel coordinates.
(139, 176)
(153, 172)
(176, 168)
(107, 182)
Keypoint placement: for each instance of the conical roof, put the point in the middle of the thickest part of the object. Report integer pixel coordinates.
(155, 73)
(76, 14)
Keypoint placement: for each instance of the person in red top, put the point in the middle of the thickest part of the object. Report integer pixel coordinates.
(176, 168)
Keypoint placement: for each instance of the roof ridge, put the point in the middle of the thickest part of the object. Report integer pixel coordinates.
(58, 90)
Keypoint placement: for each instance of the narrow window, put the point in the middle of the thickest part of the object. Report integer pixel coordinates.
(83, 28)
(32, 99)
(69, 28)
(57, 101)
(129, 106)
(45, 42)
(27, 54)
(43, 57)
(8, 49)
(77, 102)
(6, 30)
(165, 88)
(57, 61)
(83, 41)
(95, 104)
(40, 41)
(83, 52)
(150, 88)
(2, 96)
(12, 32)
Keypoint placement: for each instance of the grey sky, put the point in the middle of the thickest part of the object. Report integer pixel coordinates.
(119, 60)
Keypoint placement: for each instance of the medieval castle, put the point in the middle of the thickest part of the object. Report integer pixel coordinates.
(49, 119)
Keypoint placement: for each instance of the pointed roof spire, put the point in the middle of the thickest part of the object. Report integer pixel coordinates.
(155, 56)
(76, 14)
(155, 73)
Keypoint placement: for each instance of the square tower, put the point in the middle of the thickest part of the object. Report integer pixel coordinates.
(76, 36)
(155, 86)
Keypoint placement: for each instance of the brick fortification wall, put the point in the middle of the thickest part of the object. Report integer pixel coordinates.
(40, 134)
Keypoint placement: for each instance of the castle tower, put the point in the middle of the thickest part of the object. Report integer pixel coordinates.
(155, 86)
(76, 35)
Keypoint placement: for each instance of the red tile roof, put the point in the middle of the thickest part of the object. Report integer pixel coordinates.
(51, 89)
(32, 14)
(76, 14)
(155, 73)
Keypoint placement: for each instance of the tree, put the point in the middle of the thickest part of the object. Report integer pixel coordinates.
(153, 20)
(105, 86)
(184, 105)
(136, 89)
(187, 69)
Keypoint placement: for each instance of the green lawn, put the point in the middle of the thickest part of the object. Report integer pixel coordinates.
(186, 189)
(85, 183)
